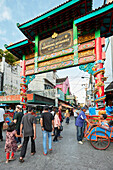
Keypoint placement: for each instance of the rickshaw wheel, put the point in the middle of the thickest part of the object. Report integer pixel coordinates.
(102, 141)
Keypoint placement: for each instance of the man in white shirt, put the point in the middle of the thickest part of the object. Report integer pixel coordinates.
(2, 112)
(75, 113)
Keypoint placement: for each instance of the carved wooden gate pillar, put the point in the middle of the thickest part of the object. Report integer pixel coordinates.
(99, 73)
(23, 85)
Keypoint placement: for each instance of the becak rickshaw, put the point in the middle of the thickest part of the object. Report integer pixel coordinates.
(98, 136)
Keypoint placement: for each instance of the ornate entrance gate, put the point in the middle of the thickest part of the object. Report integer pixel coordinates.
(69, 35)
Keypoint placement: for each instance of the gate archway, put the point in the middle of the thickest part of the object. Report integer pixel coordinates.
(69, 35)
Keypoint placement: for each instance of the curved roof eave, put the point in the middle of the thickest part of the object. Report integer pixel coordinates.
(48, 14)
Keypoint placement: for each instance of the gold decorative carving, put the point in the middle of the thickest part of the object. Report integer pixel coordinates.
(30, 56)
(104, 78)
(102, 72)
(100, 84)
(54, 35)
(95, 86)
(93, 69)
(56, 60)
(86, 37)
(99, 71)
(31, 67)
(86, 53)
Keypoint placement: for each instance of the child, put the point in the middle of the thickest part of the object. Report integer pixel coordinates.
(103, 122)
(56, 126)
(11, 144)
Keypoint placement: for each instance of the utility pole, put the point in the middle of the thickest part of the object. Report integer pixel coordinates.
(56, 98)
(86, 86)
(91, 94)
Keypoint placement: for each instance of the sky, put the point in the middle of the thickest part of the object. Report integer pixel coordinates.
(20, 11)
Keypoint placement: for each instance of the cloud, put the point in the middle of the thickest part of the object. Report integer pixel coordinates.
(5, 12)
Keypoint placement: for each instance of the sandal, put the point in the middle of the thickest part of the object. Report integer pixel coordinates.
(21, 160)
(12, 158)
(44, 154)
(7, 161)
(33, 153)
(19, 147)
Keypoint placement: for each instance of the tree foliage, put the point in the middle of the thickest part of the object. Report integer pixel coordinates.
(1, 53)
(9, 58)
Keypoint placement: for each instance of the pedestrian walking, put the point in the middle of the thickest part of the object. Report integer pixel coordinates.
(79, 123)
(75, 114)
(53, 112)
(61, 120)
(47, 121)
(28, 125)
(2, 112)
(17, 120)
(67, 116)
(56, 126)
(11, 144)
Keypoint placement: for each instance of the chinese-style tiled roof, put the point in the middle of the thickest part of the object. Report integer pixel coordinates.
(21, 48)
(99, 18)
(109, 87)
(58, 19)
(61, 80)
(104, 5)
(45, 13)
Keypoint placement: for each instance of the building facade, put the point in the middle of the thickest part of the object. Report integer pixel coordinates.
(11, 78)
(63, 84)
(43, 81)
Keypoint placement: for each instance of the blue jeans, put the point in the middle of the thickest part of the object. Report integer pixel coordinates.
(79, 133)
(45, 133)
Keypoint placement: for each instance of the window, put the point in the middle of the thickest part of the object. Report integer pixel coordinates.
(47, 87)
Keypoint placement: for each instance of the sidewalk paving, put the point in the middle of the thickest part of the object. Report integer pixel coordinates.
(67, 154)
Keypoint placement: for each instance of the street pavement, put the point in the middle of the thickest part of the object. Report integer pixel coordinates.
(67, 154)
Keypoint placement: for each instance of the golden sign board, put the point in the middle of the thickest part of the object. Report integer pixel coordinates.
(61, 41)
(57, 52)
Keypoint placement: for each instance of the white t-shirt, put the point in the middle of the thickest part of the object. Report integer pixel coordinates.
(87, 112)
(75, 114)
(53, 113)
(2, 112)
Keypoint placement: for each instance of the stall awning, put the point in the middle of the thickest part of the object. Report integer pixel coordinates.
(67, 106)
(109, 87)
